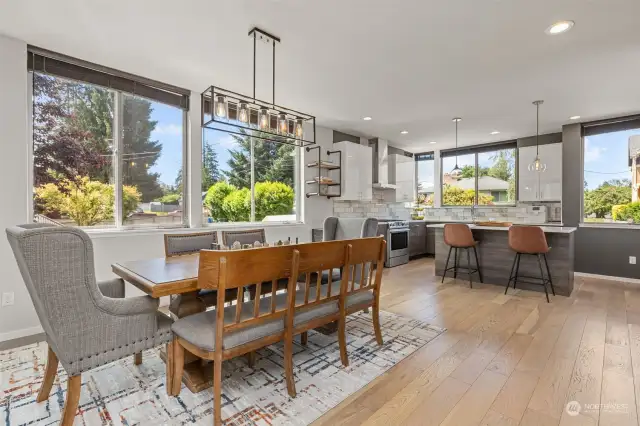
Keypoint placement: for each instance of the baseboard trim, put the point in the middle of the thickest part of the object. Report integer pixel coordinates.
(607, 277)
(24, 332)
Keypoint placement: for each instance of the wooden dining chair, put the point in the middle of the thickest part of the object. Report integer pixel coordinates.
(222, 334)
(362, 261)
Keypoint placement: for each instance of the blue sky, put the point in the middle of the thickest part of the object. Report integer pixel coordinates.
(606, 157)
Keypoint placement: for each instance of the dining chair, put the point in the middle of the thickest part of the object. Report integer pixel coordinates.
(221, 334)
(362, 261)
(192, 243)
(87, 324)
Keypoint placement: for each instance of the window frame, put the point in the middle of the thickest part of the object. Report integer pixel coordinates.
(599, 127)
(476, 150)
(429, 156)
(117, 160)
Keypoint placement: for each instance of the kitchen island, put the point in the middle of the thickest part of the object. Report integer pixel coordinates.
(496, 258)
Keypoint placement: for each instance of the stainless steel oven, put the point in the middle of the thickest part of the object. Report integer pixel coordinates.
(397, 244)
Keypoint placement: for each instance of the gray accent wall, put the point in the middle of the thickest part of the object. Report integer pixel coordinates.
(602, 251)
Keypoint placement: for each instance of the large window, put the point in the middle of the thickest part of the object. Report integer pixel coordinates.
(248, 180)
(425, 179)
(488, 176)
(612, 174)
(103, 157)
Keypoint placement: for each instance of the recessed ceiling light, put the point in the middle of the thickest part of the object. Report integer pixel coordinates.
(404, 132)
(574, 117)
(432, 142)
(366, 118)
(495, 132)
(560, 27)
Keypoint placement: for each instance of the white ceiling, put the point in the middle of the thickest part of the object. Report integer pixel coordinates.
(410, 64)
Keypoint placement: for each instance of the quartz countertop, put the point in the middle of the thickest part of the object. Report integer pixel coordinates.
(549, 229)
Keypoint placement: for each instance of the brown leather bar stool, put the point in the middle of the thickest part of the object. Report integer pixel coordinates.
(459, 236)
(529, 240)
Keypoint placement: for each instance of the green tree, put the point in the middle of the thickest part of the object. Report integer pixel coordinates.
(600, 201)
(273, 162)
(470, 171)
(503, 168)
(272, 199)
(214, 200)
(210, 167)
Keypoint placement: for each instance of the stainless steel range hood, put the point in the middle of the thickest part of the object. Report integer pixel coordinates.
(384, 171)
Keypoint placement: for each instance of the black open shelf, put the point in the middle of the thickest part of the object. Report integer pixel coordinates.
(327, 167)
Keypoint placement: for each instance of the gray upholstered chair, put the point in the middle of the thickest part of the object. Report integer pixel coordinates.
(248, 236)
(87, 324)
(336, 228)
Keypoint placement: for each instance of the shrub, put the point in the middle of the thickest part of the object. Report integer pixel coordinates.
(237, 205)
(169, 199)
(84, 201)
(214, 200)
(273, 198)
(624, 212)
(454, 196)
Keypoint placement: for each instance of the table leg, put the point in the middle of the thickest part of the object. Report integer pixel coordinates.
(197, 374)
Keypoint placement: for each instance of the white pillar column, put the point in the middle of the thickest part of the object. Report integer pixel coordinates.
(192, 175)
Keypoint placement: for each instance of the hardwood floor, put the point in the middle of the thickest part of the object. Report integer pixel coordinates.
(506, 360)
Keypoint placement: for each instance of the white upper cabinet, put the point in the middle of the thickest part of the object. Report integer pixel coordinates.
(540, 186)
(405, 168)
(357, 171)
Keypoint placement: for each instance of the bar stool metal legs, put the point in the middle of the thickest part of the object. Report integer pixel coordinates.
(542, 279)
(456, 264)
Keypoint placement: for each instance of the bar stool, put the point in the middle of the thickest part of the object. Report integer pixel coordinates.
(529, 240)
(459, 236)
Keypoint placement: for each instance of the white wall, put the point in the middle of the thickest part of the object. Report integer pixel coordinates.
(20, 319)
(14, 175)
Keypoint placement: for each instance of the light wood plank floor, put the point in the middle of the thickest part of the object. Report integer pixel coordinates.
(506, 360)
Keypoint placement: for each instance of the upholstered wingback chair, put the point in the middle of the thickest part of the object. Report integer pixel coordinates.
(348, 228)
(87, 324)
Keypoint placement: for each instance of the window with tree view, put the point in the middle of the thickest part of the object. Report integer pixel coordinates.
(81, 178)
(233, 164)
(488, 178)
(612, 177)
(425, 173)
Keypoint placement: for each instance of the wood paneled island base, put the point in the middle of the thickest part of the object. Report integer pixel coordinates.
(496, 258)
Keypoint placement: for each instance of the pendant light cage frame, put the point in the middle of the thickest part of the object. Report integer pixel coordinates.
(284, 125)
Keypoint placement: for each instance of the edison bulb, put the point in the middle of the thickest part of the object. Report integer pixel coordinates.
(263, 119)
(283, 125)
(221, 107)
(243, 112)
(299, 131)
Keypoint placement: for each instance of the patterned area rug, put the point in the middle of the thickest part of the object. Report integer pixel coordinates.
(123, 394)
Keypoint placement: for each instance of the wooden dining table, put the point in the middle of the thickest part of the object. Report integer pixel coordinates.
(177, 277)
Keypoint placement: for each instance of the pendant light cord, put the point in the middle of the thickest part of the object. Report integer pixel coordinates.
(456, 143)
(537, 128)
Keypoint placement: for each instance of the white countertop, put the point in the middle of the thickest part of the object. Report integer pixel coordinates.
(548, 229)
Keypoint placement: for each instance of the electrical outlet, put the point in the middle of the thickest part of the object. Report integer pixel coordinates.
(632, 260)
(8, 299)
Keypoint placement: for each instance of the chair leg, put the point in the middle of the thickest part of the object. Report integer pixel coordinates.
(542, 278)
(475, 252)
(446, 265)
(288, 365)
(170, 368)
(513, 266)
(251, 358)
(553, 290)
(455, 264)
(515, 278)
(469, 267)
(137, 358)
(71, 403)
(303, 338)
(178, 367)
(49, 376)
(342, 341)
(217, 391)
(375, 314)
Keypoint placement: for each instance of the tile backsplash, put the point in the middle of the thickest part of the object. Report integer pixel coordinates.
(378, 207)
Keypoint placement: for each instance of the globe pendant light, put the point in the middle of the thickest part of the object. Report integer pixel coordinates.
(537, 165)
(456, 173)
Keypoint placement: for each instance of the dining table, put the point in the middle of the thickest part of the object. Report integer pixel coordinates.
(176, 277)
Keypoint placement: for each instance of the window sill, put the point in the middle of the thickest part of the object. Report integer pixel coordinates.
(124, 232)
(609, 225)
